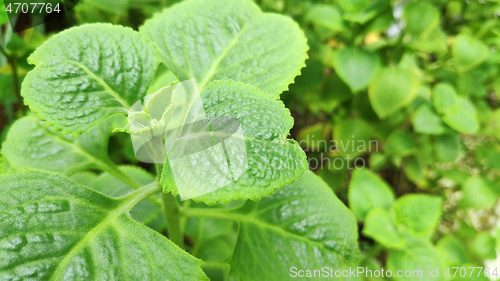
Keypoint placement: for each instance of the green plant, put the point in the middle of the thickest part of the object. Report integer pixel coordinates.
(94, 227)
(396, 108)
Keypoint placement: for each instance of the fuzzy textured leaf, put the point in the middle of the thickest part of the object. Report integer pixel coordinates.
(30, 144)
(303, 224)
(53, 229)
(273, 160)
(145, 211)
(229, 39)
(86, 74)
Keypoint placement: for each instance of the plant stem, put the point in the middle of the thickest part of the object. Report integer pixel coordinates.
(143, 192)
(171, 209)
(15, 76)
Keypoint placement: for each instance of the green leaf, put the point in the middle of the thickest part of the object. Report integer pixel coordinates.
(273, 160)
(304, 224)
(468, 52)
(448, 147)
(85, 178)
(444, 98)
(415, 172)
(30, 144)
(368, 191)
(483, 246)
(352, 137)
(354, 6)
(370, 11)
(325, 18)
(54, 229)
(379, 226)
(3, 13)
(145, 211)
(427, 121)
(464, 118)
(418, 257)
(4, 164)
(420, 17)
(85, 74)
(312, 138)
(356, 67)
(472, 273)
(111, 6)
(391, 90)
(477, 194)
(400, 143)
(451, 251)
(229, 39)
(417, 214)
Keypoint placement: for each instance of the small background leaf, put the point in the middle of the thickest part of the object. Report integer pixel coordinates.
(356, 67)
(368, 191)
(391, 90)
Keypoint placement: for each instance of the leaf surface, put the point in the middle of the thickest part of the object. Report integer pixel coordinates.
(463, 118)
(379, 226)
(356, 67)
(420, 17)
(368, 191)
(444, 98)
(86, 74)
(303, 224)
(352, 137)
(468, 52)
(30, 144)
(145, 211)
(273, 160)
(229, 39)
(53, 229)
(477, 194)
(417, 258)
(427, 121)
(417, 214)
(391, 90)
(452, 251)
(448, 147)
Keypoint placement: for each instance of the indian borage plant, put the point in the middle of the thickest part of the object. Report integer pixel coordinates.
(93, 227)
